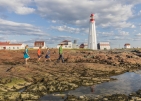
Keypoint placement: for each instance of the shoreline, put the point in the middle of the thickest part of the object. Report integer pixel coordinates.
(82, 68)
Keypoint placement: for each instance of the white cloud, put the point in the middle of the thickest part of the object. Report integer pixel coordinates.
(3, 38)
(123, 33)
(14, 28)
(117, 25)
(54, 21)
(106, 34)
(70, 29)
(121, 38)
(49, 40)
(139, 35)
(16, 6)
(108, 13)
(24, 10)
(131, 1)
(133, 26)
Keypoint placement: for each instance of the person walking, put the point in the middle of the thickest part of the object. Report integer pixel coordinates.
(47, 57)
(60, 54)
(39, 54)
(26, 56)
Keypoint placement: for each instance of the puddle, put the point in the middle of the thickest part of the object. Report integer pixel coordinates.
(127, 83)
(53, 97)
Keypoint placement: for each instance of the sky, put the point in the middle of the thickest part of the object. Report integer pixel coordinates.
(52, 21)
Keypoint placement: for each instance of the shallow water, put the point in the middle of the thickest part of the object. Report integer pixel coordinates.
(52, 97)
(127, 83)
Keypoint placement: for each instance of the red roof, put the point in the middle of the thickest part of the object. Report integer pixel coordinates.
(11, 45)
(63, 43)
(38, 43)
(82, 45)
(66, 41)
(4, 43)
(127, 44)
(8, 44)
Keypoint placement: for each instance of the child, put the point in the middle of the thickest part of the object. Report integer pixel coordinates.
(26, 56)
(39, 54)
(47, 55)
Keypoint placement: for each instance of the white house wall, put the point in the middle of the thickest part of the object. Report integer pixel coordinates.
(69, 46)
(104, 47)
(127, 46)
(12, 47)
(75, 46)
(38, 47)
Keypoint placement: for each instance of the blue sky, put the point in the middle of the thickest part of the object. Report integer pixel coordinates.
(26, 21)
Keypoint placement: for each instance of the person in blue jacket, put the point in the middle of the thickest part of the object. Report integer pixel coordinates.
(26, 56)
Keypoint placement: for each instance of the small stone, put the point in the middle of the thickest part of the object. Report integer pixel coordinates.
(105, 99)
(81, 97)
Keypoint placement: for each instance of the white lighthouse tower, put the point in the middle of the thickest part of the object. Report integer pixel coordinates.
(92, 42)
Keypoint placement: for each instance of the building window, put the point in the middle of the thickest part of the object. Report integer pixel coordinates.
(13, 47)
(17, 47)
(65, 46)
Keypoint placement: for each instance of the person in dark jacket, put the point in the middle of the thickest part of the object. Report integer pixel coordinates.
(47, 57)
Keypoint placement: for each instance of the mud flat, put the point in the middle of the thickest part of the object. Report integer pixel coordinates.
(82, 68)
(125, 88)
(41, 79)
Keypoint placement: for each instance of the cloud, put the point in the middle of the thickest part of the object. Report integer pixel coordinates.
(131, 1)
(123, 33)
(3, 38)
(70, 29)
(110, 13)
(133, 26)
(105, 34)
(138, 35)
(121, 38)
(16, 6)
(24, 10)
(51, 41)
(53, 21)
(14, 28)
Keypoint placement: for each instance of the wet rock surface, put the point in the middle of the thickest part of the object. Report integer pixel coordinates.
(115, 97)
(81, 68)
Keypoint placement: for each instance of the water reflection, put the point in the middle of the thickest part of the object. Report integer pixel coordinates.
(127, 83)
(52, 97)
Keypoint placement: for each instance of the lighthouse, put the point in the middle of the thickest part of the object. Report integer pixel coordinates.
(92, 41)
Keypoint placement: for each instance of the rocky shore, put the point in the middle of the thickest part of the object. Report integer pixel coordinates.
(81, 68)
(115, 97)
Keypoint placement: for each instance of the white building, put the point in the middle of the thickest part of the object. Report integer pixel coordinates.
(66, 44)
(75, 45)
(83, 46)
(127, 45)
(92, 40)
(103, 45)
(9, 46)
(38, 44)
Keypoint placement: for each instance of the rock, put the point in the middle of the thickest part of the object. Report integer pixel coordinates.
(105, 99)
(81, 97)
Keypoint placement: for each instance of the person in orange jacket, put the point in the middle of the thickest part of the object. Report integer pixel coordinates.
(39, 53)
